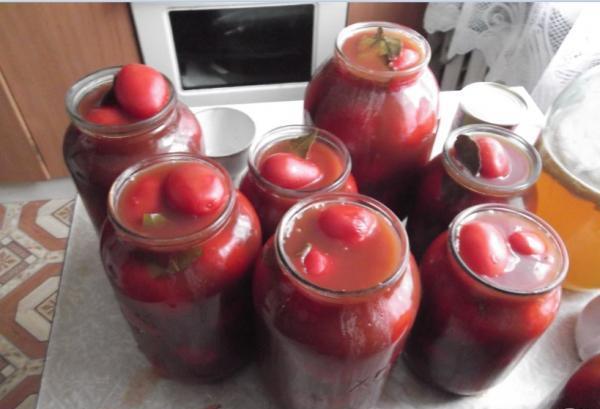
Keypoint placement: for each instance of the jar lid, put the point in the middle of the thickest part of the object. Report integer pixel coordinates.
(493, 103)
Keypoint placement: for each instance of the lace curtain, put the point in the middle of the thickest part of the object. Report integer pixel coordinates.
(540, 46)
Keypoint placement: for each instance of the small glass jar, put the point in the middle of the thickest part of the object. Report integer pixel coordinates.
(272, 201)
(387, 118)
(96, 154)
(321, 348)
(473, 329)
(447, 187)
(187, 297)
(582, 389)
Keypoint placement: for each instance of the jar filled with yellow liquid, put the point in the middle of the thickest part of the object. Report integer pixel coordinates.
(569, 187)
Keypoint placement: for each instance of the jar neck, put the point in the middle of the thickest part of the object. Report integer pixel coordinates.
(460, 267)
(171, 243)
(466, 179)
(288, 132)
(407, 75)
(339, 296)
(104, 78)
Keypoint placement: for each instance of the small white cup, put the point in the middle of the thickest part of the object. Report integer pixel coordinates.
(227, 134)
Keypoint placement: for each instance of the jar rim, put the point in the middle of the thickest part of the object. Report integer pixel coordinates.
(101, 77)
(539, 222)
(287, 266)
(466, 179)
(348, 31)
(260, 145)
(169, 242)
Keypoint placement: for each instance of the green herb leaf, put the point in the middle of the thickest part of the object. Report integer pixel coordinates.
(467, 152)
(182, 260)
(153, 220)
(155, 270)
(301, 145)
(387, 47)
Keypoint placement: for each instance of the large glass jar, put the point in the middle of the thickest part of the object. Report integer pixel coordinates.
(569, 187)
(447, 186)
(386, 116)
(491, 288)
(271, 200)
(334, 313)
(183, 282)
(96, 154)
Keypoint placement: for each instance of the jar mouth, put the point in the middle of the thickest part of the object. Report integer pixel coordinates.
(167, 243)
(287, 265)
(548, 230)
(102, 77)
(417, 38)
(287, 132)
(466, 179)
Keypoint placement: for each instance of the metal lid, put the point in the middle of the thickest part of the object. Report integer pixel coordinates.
(493, 103)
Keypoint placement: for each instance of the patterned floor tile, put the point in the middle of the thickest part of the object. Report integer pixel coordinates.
(33, 237)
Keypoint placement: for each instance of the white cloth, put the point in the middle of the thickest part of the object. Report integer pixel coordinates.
(540, 46)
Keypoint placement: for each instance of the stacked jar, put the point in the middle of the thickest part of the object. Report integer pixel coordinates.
(120, 116)
(379, 97)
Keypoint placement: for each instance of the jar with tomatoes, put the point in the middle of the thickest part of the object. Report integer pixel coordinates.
(379, 97)
(178, 249)
(491, 288)
(336, 293)
(479, 164)
(290, 163)
(120, 116)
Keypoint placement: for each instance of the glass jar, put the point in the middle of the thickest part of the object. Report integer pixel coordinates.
(387, 118)
(270, 200)
(474, 327)
(569, 187)
(447, 187)
(332, 346)
(186, 297)
(96, 154)
(582, 389)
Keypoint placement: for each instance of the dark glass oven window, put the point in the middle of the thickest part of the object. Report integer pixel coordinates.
(243, 46)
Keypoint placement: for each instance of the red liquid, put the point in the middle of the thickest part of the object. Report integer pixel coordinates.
(329, 348)
(440, 197)
(582, 390)
(272, 202)
(188, 302)
(470, 335)
(96, 158)
(387, 119)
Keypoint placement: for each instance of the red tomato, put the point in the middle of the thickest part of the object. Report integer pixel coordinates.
(349, 223)
(142, 198)
(290, 171)
(139, 283)
(195, 189)
(494, 160)
(141, 90)
(107, 116)
(407, 58)
(483, 249)
(316, 262)
(527, 243)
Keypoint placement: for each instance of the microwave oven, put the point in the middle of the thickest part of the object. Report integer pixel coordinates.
(238, 52)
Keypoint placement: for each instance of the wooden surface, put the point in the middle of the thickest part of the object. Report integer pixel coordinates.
(19, 159)
(408, 14)
(44, 49)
